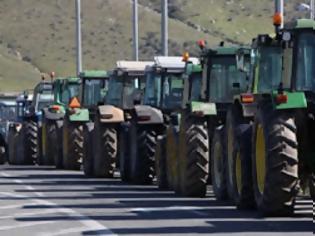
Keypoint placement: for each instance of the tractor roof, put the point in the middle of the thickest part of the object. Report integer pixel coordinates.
(133, 66)
(173, 62)
(301, 24)
(93, 74)
(192, 68)
(225, 50)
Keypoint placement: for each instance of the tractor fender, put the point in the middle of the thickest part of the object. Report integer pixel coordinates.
(49, 115)
(148, 115)
(110, 114)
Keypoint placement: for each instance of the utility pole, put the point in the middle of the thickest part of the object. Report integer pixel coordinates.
(164, 29)
(279, 9)
(135, 30)
(78, 36)
(312, 8)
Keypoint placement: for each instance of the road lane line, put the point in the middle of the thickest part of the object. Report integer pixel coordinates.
(179, 208)
(63, 232)
(16, 206)
(5, 174)
(84, 220)
(19, 215)
(24, 225)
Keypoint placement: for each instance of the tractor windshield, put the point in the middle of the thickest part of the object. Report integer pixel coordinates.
(195, 86)
(269, 69)
(125, 91)
(44, 100)
(69, 91)
(305, 72)
(94, 91)
(225, 79)
(172, 87)
(152, 94)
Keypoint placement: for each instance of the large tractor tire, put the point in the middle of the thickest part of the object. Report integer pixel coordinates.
(57, 147)
(72, 145)
(161, 165)
(49, 140)
(88, 160)
(31, 142)
(13, 138)
(172, 152)
(2, 155)
(193, 160)
(105, 144)
(243, 195)
(312, 187)
(125, 153)
(143, 162)
(275, 161)
(218, 164)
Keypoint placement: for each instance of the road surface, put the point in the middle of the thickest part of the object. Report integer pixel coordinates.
(44, 201)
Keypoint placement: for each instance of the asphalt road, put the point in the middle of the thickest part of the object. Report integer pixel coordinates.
(43, 201)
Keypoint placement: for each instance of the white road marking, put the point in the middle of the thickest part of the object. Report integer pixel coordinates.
(24, 225)
(19, 215)
(5, 174)
(89, 223)
(63, 232)
(16, 206)
(179, 208)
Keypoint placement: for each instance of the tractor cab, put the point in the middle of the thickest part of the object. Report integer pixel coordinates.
(65, 89)
(165, 83)
(126, 84)
(23, 103)
(221, 79)
(94, 89)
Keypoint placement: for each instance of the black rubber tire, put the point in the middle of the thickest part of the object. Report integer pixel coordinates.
(72, 145)
(13, 137)
(234, 119)
(57, 151)
(31, 142)
(218, 164)
(105, 147)
(88, 159)
(49, 139)
(2, 155)
(124, 154)
(243, 194)
(312, 188)
(281, 183)
(143, 162)
(161, 165)
(194, 162)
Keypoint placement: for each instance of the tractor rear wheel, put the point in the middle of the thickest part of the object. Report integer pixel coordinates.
(57, 147)
(243, 195)
(49, 139)
(105, 141)
(124, 154)
(218, 164)
(88, 165)
(142, 163)
(31, 142)
(2, 155)
(194, 157)
(161, 165)
(72, 145)
(275, 161)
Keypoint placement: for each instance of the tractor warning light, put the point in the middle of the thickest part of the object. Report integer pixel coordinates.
(277, 19)
(186, 57)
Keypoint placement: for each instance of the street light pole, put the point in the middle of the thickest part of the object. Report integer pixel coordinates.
(312, 8)
(135, 30)
(164, 29)
(279, 9)
(78, 36)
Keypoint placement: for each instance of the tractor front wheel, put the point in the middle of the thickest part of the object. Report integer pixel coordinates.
(31, 144)
(88, 165)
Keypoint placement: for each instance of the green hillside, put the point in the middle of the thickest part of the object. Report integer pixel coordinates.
(40, 33)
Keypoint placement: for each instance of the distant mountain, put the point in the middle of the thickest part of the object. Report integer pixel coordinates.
(38, 35)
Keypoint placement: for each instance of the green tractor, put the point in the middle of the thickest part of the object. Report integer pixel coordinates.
(64, 90)
(162, 97)
(80, 111)
(277, 119)
(208, 92)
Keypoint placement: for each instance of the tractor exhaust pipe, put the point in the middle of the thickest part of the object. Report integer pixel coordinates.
(278, 18)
